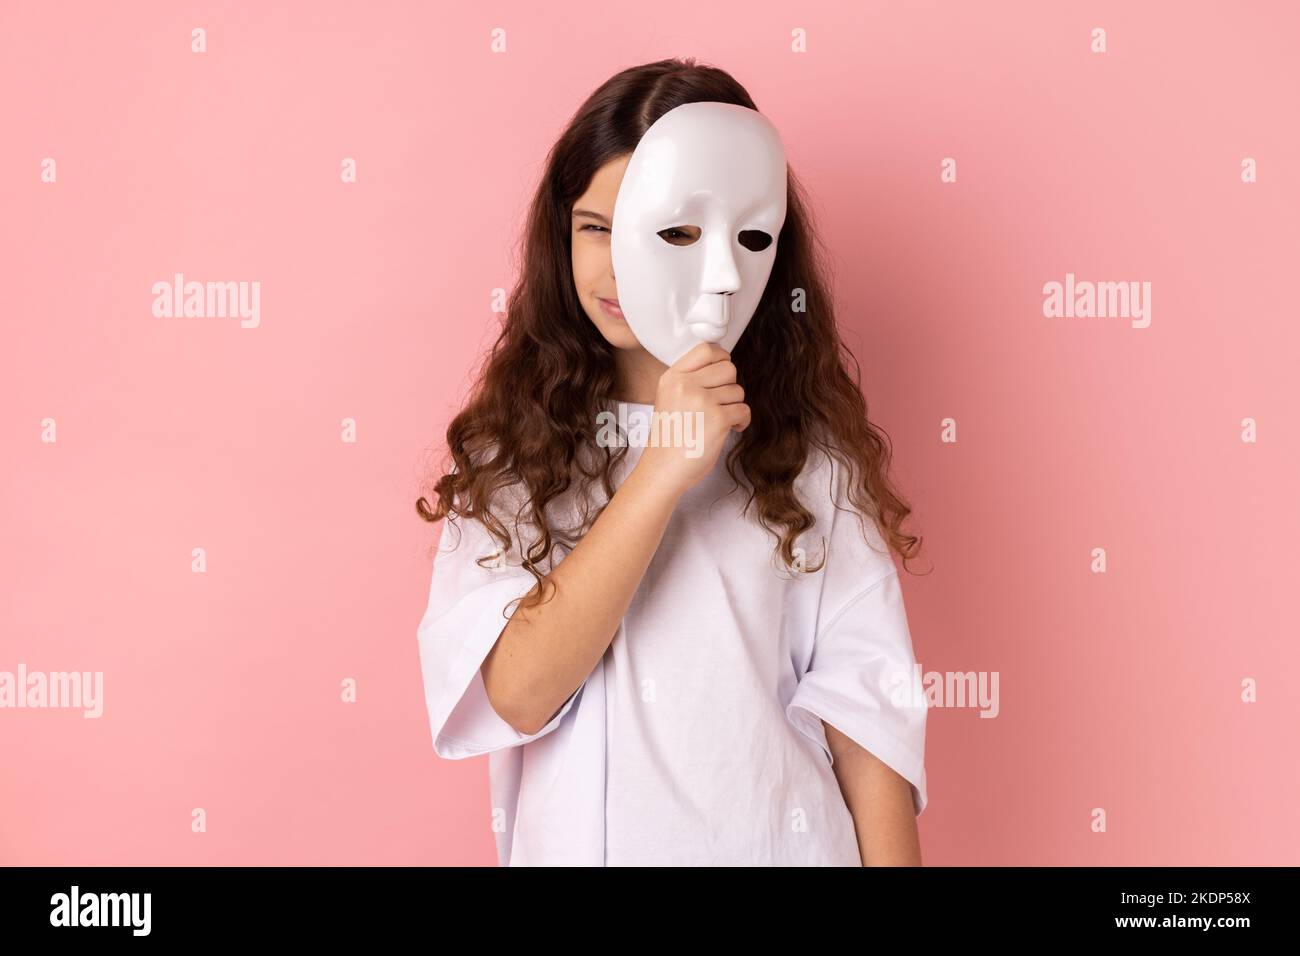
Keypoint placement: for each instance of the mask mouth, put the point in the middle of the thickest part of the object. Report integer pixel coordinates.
(709, 316)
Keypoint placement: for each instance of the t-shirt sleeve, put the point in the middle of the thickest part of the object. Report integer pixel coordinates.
(862, 677)
(467, 611)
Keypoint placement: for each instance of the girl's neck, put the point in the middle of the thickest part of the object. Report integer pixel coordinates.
(638, 376)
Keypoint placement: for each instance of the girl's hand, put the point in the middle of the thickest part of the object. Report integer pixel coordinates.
(700, 387)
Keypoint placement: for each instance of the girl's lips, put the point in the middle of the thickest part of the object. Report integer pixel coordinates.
(610, 307)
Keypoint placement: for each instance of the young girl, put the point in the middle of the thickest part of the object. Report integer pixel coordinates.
(672, 659)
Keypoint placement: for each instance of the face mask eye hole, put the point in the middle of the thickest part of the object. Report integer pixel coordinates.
(680, 235)
(755, 240)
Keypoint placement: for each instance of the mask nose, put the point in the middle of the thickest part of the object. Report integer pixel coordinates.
(710, 314)
(720, 274)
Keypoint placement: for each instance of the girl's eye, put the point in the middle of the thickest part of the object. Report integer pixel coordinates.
(680, 235)
(592, 225)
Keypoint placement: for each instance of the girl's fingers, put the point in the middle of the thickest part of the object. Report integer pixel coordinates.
(721, 372)
(727, 394)
(700, 355)
(737, 415)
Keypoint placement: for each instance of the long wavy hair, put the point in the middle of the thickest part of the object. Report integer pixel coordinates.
(530, 422)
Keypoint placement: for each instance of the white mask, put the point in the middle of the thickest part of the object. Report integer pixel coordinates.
(716, 172)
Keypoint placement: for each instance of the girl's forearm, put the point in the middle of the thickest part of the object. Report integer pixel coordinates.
(545, 653)
(880, 802)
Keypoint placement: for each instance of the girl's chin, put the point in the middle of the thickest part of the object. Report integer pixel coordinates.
(617, 334)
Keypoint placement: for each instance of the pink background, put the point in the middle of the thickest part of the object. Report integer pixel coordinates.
(222, 690)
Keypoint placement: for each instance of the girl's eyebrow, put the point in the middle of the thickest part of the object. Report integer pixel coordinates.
(590, 215)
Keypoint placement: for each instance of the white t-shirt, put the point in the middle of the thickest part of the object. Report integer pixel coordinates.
(697, 739)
